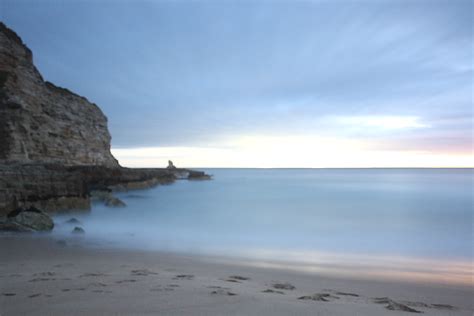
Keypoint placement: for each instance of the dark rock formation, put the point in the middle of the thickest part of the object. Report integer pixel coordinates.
(54, 144)
(40, 122)
(27, 220)
(170, 165)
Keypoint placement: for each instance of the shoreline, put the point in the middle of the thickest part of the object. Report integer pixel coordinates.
(42, 276)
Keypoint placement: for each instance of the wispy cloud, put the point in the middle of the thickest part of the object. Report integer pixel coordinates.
(396, 75)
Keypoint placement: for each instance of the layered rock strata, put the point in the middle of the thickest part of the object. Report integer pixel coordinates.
(55, 144)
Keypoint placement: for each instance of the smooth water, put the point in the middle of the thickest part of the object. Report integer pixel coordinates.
(299, 214)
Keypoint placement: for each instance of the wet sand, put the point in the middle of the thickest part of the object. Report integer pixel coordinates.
(46, 277)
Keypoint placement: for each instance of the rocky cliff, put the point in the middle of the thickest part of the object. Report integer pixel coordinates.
(40, 122)
(54, 144)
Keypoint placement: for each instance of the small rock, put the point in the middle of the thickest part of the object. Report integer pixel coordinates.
(170, 165)
(78, 230)
(73, 220)
(115, 202)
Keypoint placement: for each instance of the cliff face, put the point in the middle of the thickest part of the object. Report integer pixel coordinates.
(42, 123)
(54, 144)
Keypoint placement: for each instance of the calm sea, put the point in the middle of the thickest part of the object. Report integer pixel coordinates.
(411, 223)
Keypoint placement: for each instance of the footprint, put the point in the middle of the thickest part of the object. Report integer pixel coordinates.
(232, 280)
(443, 306)
(217, 287)
(394, 306)
(41, 279)
(320, 297)
(97, 284)
(238, 277)
(45, 274)
(34, 295)
(284, 286)
(184, 277)
(347, 294)
(142, 272)
(80, 289)
(222, 292)
(126, 281)
(8, 294)
(86, 275)
(272, 291)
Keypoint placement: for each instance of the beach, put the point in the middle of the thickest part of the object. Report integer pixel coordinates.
(47, 276)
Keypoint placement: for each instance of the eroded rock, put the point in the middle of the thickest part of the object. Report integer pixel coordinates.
(27, 220)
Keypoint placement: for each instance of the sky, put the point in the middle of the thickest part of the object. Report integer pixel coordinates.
(265, 83)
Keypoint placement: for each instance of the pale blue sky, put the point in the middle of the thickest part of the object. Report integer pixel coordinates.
(393, 75)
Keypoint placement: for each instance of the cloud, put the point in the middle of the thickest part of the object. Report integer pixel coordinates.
(384, 122)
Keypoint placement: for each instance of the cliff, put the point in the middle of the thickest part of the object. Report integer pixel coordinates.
(54, 144)
(40, 122)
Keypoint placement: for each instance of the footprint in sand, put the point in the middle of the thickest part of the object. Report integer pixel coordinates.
(44, 274)
(222, 292)
(238, 277)
(126, 281)
(184, 277)
(34, 295)
(272, 291)
(394, 306)
(284, 286)
(142, 272)
(217, 287)
(80, 289)
(443, 306)
(320, 297)
(101, 291)
(346, 294)
(41, 279)
(87, 275)
(8, 294)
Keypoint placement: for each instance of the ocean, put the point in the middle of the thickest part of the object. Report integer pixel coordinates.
(400, 223)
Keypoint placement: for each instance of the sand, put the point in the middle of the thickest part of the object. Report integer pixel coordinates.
(45, 277)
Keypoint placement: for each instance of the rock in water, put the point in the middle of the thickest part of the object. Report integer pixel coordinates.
(73, 220)
(27, 220)
(78, 230)
(107, 198)
(170, 165)
(115, 202)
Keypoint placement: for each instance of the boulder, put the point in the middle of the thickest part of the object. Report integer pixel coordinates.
(27, 220)
(170, 165)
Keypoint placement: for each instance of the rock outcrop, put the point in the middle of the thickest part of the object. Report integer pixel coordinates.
(54, 144)
(40, 122)
(27, 220)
